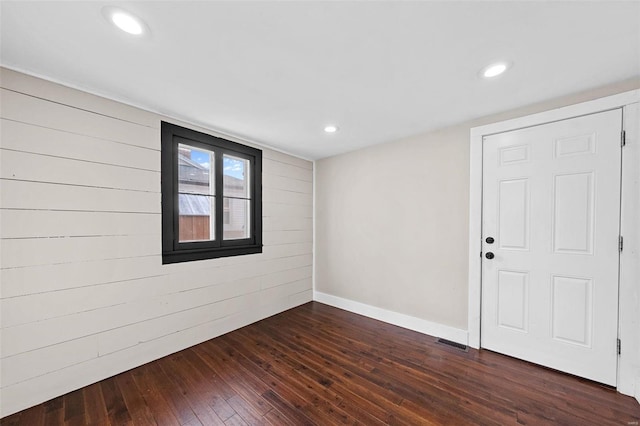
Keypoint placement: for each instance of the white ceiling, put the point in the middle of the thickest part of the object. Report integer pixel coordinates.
(277, 72)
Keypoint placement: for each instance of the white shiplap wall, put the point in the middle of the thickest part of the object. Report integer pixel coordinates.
(84, 294)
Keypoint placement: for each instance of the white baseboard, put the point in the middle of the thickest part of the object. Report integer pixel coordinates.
(401, 320)
(637, 392)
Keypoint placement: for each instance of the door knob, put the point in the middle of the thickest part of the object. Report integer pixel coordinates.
(489, 255)
(489, 240)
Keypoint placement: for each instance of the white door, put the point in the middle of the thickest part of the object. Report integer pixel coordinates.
(551, 202)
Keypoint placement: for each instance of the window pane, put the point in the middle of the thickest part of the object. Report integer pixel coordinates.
(236, 218)
(236, 177)
(195, 170)
(197, 218)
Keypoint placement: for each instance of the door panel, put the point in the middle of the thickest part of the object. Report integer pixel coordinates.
(513, 214)
(573, 213)
(513, 300)
(572, 310)
(551, 201)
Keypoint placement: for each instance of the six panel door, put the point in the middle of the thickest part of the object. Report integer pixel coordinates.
(551, 202)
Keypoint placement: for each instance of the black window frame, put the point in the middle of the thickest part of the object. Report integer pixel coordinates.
(173, 251)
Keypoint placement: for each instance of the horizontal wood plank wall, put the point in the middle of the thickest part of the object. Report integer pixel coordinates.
(84, 294)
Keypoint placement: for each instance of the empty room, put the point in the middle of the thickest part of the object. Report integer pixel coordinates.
(319, 212)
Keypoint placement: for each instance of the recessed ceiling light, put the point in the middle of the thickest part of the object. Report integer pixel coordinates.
(331, 129)
(124, 20)
(494, 70)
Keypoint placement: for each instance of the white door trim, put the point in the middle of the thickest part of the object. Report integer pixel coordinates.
(629, 308)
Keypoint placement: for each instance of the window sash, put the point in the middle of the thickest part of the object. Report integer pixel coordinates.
(218, 179)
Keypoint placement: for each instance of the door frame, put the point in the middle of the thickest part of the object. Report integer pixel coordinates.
(629, 291)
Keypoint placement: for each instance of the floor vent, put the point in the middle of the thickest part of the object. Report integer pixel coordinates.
(454, 344)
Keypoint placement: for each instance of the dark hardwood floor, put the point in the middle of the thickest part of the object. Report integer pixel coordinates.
(319, 365)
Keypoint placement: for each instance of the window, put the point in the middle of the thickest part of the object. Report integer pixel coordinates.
(211, 196)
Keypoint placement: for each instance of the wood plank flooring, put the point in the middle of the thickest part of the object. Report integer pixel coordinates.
(317, 365)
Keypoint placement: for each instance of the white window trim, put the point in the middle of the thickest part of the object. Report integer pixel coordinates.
(629, 305)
